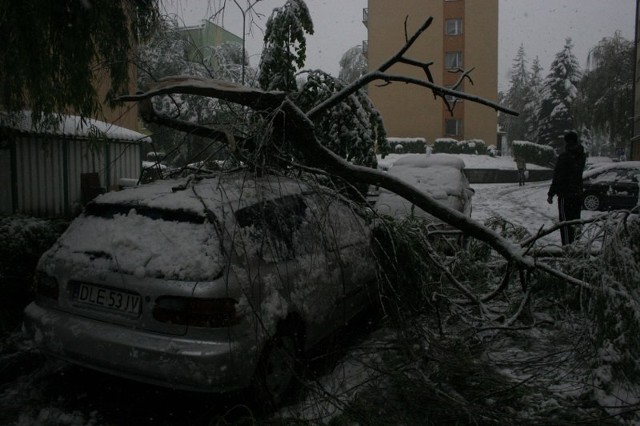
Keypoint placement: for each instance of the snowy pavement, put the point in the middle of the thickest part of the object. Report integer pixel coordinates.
(521, 205)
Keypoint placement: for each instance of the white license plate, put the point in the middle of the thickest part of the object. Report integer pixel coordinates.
(107, 298)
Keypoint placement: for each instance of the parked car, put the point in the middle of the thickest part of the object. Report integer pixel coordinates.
(611, 186)
(213, 284)
(439, 175)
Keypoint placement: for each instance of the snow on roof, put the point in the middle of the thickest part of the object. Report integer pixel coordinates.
(70, 125)
(439, 175)
(191, 194)
(614, 165)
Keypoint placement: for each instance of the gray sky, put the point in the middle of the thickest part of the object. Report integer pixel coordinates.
(540, 25)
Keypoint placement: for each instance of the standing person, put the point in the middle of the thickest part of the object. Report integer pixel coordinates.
(567, 184)
(522, 170)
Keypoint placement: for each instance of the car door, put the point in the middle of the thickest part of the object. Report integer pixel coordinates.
(287, 258)
(348, 238)
(623, 192)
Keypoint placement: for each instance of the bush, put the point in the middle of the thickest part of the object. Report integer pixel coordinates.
(453, 146)
(24, 240)
(533, 153)
(407, 145)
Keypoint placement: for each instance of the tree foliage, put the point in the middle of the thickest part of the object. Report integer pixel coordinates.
(51, 51)
(353, 64)
(285, 46)
(168, 53)
(353, 129)
(532, 104)
(559, 92)
(517, 97)
(605, 103)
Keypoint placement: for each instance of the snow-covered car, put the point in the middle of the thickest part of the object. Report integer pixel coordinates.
(212, 284)
(439, 175)
(611, 186)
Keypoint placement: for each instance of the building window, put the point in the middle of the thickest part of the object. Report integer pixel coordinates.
(453, 60)
(453, 27)
(453, 127)
(453, 99)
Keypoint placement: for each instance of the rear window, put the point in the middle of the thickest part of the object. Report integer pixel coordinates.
(108, 211)
(159, 243)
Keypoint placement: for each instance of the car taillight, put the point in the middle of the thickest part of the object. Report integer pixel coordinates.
(211, 313)
(45, 285)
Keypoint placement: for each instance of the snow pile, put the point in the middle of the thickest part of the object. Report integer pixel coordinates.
(438, 175)
(137, 245)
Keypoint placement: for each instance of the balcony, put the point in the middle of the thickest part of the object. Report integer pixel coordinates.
(365, 48)
(365, 16)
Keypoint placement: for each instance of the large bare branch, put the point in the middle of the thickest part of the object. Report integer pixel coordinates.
(301, 135)
(257, 99)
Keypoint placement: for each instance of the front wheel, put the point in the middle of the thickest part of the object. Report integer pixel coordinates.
(591, 202)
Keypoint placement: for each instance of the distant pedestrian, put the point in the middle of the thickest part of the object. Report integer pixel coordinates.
(522, 170)
(567, 184)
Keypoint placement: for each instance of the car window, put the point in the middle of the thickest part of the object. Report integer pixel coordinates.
(630, 175)
(270, 228)
(607, 176)
(340, 223)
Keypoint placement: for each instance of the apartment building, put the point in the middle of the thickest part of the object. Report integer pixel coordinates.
(463, 35)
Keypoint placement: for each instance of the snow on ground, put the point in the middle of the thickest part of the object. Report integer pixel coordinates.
(522, 205)
(470, 161)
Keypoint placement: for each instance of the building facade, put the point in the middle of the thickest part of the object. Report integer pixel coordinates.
(203, 37)
(463, 35)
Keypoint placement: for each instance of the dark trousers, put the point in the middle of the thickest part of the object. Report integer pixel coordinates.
(521, 177)
(569, 208)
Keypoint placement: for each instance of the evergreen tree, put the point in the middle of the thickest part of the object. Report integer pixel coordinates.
(517, 97)
(605, 104)
(559, 92)
(50, 51)
(285, 46)
(532, 106)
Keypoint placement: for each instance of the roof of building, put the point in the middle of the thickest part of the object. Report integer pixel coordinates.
(69, 125)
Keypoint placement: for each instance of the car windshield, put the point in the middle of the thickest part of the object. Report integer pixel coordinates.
(142, 241)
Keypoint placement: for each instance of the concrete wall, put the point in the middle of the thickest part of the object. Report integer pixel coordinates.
(505, 176)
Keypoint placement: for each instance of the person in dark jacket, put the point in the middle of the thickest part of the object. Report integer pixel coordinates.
(567, 184)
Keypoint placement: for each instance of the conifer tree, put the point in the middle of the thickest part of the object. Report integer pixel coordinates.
(517, 95)
(559, 92)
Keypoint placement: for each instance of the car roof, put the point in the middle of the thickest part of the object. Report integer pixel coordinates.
(197, 194)
(608, 166)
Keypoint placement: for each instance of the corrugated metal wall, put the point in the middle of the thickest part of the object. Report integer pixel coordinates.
(48, 171)
(6, 202)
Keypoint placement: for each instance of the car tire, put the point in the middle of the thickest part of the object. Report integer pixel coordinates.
(277, 372)
(591, 202)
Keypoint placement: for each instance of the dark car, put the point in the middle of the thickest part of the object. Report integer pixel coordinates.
(611, 186)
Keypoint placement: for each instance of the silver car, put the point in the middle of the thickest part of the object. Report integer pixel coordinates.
(212, 284)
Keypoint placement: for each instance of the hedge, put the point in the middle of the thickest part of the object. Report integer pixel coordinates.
(407, 145)
(453, 146)
(542, 155)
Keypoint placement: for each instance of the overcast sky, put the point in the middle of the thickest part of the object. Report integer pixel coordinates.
(540, 25)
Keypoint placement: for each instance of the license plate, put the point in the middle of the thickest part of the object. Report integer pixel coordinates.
(107, 298)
